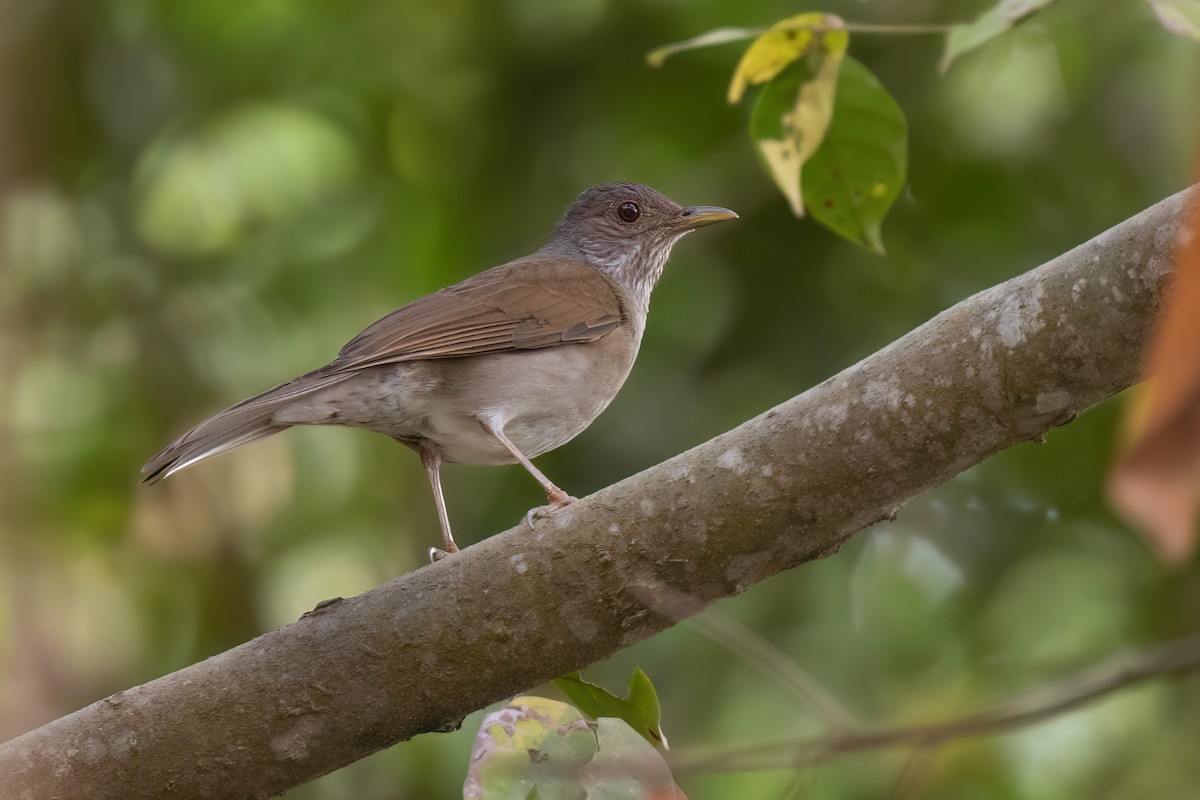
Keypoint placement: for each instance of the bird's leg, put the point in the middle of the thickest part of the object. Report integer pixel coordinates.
(431, 459)
(557, 497)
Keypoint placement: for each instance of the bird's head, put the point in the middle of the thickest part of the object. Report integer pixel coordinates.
(627, 230)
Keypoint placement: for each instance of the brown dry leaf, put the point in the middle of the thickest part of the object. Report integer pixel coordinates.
(1156, 482)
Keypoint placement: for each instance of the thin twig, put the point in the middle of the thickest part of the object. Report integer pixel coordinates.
(1123, 670)
(658, 55)
(798, 786)
(755, 650)
(918, 765)
(900, 30)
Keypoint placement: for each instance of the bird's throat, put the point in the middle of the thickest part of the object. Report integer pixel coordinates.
(635, 269)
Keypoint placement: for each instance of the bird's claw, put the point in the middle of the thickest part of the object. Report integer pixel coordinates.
(561, 500)
(437, 554)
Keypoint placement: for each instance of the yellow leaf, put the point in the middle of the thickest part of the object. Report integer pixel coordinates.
(783, 163)
(787, 41)
(802, 119)
(814, 105)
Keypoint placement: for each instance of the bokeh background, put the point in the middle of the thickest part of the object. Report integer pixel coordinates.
(201, 198)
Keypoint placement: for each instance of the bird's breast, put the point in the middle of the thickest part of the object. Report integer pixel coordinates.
(542, 398)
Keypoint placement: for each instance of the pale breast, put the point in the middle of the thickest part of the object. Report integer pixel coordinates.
(541, 398)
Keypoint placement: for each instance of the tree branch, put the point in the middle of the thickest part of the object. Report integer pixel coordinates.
(1180, 656)
(419, 653)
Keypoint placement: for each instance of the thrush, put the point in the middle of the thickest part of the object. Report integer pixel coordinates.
(497, 369)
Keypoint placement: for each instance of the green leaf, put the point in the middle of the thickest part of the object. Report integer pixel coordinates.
(531, 748)
(1180, 17)
(858, 171)
(641, 709)
(658, 55)
(793, 114)
(998, 20)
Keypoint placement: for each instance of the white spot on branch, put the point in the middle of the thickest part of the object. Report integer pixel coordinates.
(1050, 402)
(832, 416)
(1019, 317)
(879, 394)
(734, 460)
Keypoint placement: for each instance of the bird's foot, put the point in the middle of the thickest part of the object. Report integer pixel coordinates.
(437, 554)
(558, 498)
(557, 501)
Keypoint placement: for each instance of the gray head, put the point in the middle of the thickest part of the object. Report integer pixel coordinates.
(627, 230)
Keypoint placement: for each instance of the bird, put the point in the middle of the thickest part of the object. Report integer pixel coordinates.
(496, 369)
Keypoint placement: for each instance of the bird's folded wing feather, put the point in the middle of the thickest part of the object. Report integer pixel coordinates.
(534, 302)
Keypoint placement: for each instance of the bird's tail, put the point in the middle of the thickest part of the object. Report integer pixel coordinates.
(245, 422)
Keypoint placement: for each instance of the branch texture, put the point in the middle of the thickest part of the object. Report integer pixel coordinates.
(419, 653)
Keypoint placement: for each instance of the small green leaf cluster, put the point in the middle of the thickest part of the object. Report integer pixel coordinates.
(826, 129)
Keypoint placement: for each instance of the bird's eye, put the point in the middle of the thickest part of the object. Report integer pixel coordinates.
(629, 211)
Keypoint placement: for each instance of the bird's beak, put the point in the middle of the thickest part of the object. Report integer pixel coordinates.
(699, 216)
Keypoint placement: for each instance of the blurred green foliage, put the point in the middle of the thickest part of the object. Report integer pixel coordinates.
(203, 198)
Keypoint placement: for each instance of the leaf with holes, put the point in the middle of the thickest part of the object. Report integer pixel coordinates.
(999, 19)
(540, 749)
(533, 747)
(856, 174)
(793, 114)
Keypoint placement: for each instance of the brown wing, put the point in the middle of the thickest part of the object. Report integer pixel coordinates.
(537, 301)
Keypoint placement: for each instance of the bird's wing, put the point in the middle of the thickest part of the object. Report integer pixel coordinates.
(537, 301)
